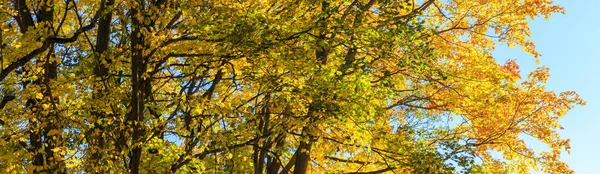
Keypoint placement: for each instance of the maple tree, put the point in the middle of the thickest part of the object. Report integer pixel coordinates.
(265, 86)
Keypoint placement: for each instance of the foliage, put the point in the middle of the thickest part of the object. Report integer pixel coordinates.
(265, 86)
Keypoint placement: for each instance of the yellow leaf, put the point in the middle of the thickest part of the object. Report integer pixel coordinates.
(53, 132)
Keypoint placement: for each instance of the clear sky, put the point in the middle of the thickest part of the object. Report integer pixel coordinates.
(570, 47)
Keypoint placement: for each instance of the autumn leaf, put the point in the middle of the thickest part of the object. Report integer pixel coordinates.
(265, 86)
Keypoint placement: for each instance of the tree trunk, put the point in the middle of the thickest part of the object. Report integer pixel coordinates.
(101, 72)
(136, 115)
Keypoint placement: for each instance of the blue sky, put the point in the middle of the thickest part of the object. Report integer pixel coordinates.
(570, 47)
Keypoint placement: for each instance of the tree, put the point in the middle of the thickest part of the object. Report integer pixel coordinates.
(263, 86)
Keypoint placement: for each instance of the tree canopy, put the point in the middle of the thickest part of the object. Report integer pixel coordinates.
(274, 86)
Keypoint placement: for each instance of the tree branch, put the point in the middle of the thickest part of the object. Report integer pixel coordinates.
(47, 43)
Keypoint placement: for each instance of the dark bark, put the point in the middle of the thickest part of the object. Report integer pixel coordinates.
(259, 152)
(41, 142)
(5, 100)
(103, 38)
(274, 165)
(24, 18)
(136, 115)
(47, 43)
(264, 131)
(51, 141)
(96, 135)
(303, 151)
(191, 141)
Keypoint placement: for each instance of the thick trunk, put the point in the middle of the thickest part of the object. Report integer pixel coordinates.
(303, 157)
(322, 55)
(259, 149)
(303, 152)
(41, 142)
(274, 165)
(24, 19)
(54, 140)
(136, 115)
(101, 71)
(51, 141)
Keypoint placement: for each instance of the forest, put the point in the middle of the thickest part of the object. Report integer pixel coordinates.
(275, 86)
